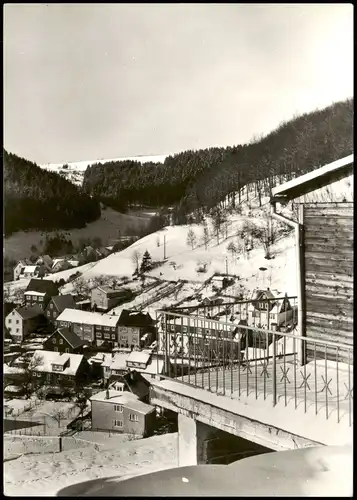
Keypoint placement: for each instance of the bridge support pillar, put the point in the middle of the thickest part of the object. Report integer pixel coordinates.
(192, 436)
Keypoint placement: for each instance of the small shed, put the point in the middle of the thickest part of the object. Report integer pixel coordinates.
(325, 257)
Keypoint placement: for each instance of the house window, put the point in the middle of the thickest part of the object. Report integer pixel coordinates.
(199, 330)
(134, 340)
(9, 320)
(51, 306)
(118, 423)
(133, 417)
(17, 321)
(272, 316)
(118, 408)
(53, 340)
(17, 330)
(107, 336)
(112, 329)
(61, 341)
(99, 335)
(56, 349)
(40, 299)
(67, 350)
(48, 314)
(124, 329)
(208, 331)
(54, 314)
(106, 328)
(172, 328)
(113, 336)
(124, 337)
(184, 329)
(38, 374)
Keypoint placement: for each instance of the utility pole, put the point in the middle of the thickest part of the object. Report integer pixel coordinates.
(164, 247)
(226, 266)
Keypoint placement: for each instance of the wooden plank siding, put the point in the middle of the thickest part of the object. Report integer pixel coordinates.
(328, 287)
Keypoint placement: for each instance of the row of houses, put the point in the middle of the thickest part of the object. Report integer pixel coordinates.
(45, 265)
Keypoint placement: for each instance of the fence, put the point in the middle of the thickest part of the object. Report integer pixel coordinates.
(24, 445)
(238, 360)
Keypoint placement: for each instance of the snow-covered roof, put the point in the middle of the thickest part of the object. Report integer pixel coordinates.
(314, 180)
(118, 362)
(56, 261)
(48, 358)
(139, 357)
(154, 366)
(38, 294)
(117, 397)
(30, 269)
(87, 317)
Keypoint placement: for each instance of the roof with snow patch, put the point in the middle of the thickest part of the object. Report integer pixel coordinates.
(311, 181)
(87, 317)
(48, 358)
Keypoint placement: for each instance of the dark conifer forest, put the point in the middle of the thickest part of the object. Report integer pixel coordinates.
(37, 199)
(198, 180)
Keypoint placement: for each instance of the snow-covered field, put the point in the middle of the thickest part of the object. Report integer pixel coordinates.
(45, 474)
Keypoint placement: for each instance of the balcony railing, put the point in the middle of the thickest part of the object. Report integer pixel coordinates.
(239, 360)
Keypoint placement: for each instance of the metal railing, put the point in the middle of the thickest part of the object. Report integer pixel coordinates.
(243, 361)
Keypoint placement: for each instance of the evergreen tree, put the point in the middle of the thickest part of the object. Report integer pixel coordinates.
(146, 263)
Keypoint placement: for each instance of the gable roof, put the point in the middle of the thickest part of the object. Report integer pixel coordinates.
(72, 338)
(110, 291)
(87, 317)
(41, 285)
(29, 312)
(311, 181)
(49, 358)
(135, 318)
(139, 357)
(62, 302)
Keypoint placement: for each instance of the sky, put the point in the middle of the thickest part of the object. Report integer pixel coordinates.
(97, 81)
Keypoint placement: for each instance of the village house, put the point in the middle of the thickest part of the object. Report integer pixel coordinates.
(133, 326)
(60, 265)
(57, 305)
(65, 341)
(39, 292)
(23, 321)
(270, 314)
(114, 365)
(61, 370)
(106, 297)
(119, 411)
(92, 327)
(46, 260)
(20, 267)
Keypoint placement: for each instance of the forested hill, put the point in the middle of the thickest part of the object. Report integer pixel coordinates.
(37, 199)
(200, 179)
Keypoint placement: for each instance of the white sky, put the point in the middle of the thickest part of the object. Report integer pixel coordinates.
(90, 81)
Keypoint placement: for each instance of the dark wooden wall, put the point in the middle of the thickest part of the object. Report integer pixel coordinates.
(328, 250)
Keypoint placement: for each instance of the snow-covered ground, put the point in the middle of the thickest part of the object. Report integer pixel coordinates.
(45, 474)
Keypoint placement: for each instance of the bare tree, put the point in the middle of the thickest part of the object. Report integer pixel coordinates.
(218, 219)
(81, 287)
(135, 258)
(266, 234)
(7, 293)
(58, 414)
(205, 236)
(191, 238)
(232, 248)
(30, 381)
(19, 295)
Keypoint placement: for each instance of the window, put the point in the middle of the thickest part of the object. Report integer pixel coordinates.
(106, 328)
(54, 314)
(133, 417)
(118, 408)
(54, 340)
(40, 299)
(172, 328)
(38, 374)
(124, 329)
(113, 336)
(118, 423)
(61, 341)
(51, 306)
(99, 335)
(199, 330)
(9, 320)
(208, 331)
(107, 336)
(112, 329)
(184, 329)
(56, 349)
(134, 340)
(17, 321)
(123, 337)
(48, 314)
(67, 350)
(17, 330)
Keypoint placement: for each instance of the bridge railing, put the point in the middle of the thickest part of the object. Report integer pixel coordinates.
(244, 361)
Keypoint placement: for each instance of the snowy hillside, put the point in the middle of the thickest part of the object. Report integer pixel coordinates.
(75, 171)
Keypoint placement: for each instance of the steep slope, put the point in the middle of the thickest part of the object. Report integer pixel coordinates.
(36, 199)
(196, 180)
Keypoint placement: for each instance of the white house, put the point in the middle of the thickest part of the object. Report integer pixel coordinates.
(264, 313)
